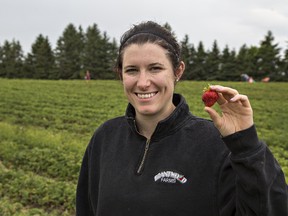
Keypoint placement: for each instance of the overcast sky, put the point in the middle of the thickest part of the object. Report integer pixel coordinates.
(230, 22)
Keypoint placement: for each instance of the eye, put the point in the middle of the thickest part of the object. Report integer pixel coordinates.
(131, 70)
(155, 69)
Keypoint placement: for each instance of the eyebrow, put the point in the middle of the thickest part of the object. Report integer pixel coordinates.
(156, 64)
(130, 66)
(152, 64)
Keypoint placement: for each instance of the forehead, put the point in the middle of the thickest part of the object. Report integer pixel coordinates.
(145, 51)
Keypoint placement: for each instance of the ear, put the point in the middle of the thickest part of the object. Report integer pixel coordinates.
(179, 72)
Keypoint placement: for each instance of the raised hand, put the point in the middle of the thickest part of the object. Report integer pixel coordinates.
(236, 111)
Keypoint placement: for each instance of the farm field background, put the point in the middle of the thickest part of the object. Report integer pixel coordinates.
(45, 127)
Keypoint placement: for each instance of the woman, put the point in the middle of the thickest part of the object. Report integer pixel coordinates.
(159, 159)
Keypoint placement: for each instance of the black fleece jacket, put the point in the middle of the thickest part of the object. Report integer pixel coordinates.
(186, 168)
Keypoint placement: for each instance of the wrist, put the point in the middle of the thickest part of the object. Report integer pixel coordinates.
(242, 141)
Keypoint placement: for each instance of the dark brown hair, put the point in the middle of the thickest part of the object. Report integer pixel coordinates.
(149, 32)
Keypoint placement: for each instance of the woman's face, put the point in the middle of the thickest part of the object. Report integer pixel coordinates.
(148, 79)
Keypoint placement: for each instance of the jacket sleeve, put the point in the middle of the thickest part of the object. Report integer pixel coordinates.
(251, 181)
(83, 206)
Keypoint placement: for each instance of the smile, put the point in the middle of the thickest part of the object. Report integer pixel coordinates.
(146, 95)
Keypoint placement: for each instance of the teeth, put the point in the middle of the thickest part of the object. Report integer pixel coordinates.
(145, 96)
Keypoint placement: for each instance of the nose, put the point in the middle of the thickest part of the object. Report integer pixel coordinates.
(143, 81)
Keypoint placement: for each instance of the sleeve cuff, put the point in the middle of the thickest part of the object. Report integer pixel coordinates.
(243, 142)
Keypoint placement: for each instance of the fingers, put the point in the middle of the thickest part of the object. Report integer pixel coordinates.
(221, 100)
(215, 117)
(227, 94)
(241, 98)
(236, 111)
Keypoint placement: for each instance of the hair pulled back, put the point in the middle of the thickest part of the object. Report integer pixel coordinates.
(149, 32)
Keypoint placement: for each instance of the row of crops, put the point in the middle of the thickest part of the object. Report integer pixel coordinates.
(44, 129)
(46, 125)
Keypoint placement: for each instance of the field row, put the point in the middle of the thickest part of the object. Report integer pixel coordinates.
(20, 189)
(63, 106)
(38, 171)
(45, 153)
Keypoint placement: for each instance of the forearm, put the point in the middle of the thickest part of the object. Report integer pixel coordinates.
(260, 184)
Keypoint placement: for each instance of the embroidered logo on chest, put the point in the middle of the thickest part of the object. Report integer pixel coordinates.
(170, 177)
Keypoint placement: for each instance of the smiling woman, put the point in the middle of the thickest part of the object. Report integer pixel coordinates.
(149, 81)
(160, 159)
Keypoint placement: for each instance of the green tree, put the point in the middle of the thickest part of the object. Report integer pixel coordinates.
(187, 52)
(108, 55)
(2, 72)
(40, 63)
(199, 71)
(68, 53)
(11, 60)
(268, 58)
(283, 72)
(227, 69)
(213, 62)
(246, 60)
(113, 52)
(167, 26)
(99, 53)
(92, 42)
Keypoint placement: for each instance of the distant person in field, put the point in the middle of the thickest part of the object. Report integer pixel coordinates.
(87, 76)
(160, 159)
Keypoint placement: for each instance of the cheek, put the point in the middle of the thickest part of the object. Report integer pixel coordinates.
(127, 83)
(170, 82)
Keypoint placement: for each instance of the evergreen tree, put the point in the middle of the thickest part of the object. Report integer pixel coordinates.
(113, 52)
(40, 62)
(192, 63)
(109, 55)
(11, 60)
(241, 60)
(246, 60)
(92, 56)
(213, 63)
(99, 54)
(187, 51)
(252, 61)
(268, 58)
(69, 53)
(283, 74)
(199, 71)
(2, 72)
(167, 26)
(227, 69)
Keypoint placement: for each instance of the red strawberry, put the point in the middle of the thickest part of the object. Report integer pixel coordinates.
(209, 96)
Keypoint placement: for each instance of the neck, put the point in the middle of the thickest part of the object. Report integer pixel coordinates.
(146, 127)
(147, 123)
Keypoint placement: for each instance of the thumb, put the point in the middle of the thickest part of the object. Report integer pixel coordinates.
(215, 117)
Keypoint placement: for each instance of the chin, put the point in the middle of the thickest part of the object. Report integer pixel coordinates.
(147, 112)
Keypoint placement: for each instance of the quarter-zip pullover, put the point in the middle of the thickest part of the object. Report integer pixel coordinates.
(186, 168)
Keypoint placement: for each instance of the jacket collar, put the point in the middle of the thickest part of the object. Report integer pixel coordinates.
(168, 125)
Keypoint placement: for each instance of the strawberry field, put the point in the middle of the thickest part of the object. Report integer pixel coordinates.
(46, 125)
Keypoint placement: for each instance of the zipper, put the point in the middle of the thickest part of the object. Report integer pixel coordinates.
(140, 168)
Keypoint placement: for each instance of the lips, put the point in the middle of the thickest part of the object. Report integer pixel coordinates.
(146, 95)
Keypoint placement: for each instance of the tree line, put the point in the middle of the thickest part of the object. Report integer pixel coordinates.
(78, 51)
